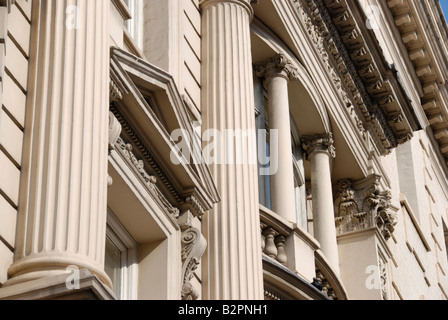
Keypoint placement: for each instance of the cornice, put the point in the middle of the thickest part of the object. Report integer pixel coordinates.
(371, 95)
(195, 189)
(426, 44)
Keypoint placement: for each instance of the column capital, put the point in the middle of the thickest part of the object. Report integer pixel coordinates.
(279, 65)
(319, 143)
(245, 3)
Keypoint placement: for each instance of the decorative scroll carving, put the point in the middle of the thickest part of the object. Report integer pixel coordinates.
(323, 143)
(362, 205)
(277, 65)
(193, 248)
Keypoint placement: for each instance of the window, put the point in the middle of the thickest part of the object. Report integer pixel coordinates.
(135, 25)
(299, 179)
(262, 141)
(121, 259)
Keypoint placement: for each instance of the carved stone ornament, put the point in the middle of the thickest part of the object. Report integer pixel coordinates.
(354, 72)
(193, 248)
(319, 143)
(322, 282)
(362, 205)
(278, 65)
(126, 150)
(114, 131)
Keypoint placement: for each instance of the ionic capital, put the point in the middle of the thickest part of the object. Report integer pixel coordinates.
(245, 3)
(319, 143)
(279, 65)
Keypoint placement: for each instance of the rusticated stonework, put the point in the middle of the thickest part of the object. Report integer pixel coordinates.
(362, 205)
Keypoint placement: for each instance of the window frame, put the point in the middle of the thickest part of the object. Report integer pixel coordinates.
(134, 26)
(121, 238)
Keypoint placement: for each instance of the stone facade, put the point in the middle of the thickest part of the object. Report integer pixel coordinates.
(134, 137)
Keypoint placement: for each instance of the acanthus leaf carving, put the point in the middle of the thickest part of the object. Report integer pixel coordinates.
(362, 205)
(279, 64)
(323, 143)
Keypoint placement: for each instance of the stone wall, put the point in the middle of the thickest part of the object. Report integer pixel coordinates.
(12, 122)
(418, 246)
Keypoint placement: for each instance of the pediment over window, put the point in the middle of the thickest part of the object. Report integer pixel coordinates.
(146, 102)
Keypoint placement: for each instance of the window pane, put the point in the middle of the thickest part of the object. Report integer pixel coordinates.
(113, 265)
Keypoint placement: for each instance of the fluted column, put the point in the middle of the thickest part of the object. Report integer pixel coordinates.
(63, 202)
(233, 265)
(320, 150)
(278, 72)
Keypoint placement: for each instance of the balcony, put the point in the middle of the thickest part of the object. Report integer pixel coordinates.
(293, 265)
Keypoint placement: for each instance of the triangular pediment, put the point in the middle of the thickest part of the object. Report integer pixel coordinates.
(150, 108)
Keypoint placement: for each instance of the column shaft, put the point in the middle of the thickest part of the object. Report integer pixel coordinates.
(233, 265)
(320, 150)
(63, 201)
(282, 181)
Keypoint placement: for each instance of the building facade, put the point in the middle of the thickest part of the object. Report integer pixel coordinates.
(223, 150)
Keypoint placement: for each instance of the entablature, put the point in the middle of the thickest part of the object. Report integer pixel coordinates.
(424, 36)
(366, 82)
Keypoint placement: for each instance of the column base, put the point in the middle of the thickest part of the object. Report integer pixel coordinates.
(51, 265)
(88, 287)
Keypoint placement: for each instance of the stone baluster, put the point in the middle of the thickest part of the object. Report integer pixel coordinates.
(270, 248)
(280, 243)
